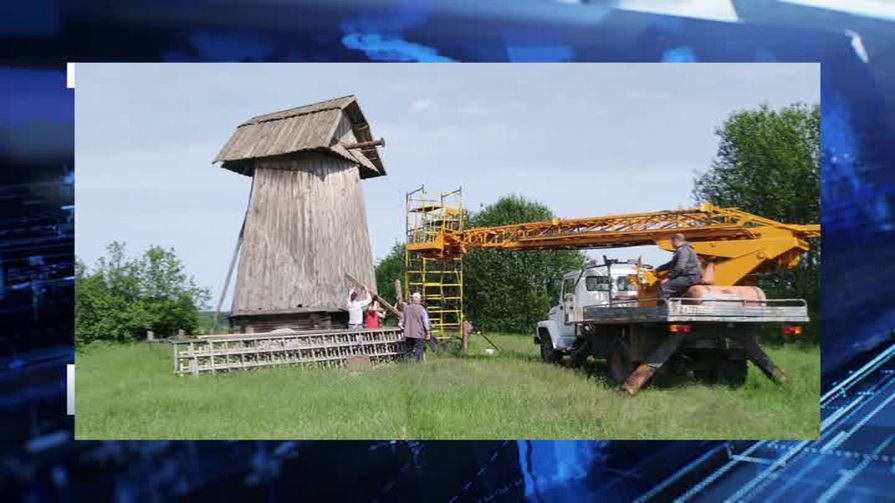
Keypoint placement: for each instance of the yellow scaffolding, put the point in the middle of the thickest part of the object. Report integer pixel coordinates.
(440, 282)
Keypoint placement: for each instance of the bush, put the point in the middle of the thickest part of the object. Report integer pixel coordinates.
(120, 298)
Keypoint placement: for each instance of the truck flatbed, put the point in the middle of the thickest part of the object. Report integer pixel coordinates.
(686, 310)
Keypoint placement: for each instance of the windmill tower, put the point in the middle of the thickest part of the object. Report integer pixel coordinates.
(306, 224)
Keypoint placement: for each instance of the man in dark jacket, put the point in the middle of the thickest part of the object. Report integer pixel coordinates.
(416, 329)
(685, 272)
(684, 267)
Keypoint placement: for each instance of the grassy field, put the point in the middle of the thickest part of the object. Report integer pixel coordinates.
(126, 392)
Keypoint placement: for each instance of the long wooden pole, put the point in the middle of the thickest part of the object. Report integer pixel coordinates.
(399, 293)
(217, 311)
(351, 279)
(242, 229)
(489, 342)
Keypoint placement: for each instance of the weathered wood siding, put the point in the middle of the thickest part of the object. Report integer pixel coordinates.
(259, 323)
(344, 132)
(306, 227)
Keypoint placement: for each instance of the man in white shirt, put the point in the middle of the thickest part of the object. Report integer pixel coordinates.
(356, 305)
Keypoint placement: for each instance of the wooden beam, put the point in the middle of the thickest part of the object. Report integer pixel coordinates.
(382, 301)
(372, 144)
(217, 311)
(399, 292)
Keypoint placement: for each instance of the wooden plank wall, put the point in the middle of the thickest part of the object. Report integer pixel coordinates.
(306, 227)
(296, 321)
(344, 133)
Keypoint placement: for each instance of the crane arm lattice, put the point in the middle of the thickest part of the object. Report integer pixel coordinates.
(745, 242)
(707, 223)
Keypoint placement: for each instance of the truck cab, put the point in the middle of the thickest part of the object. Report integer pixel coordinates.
(611, 284)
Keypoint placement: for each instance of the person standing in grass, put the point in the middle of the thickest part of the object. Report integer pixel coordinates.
(415, 327)
(468, 329)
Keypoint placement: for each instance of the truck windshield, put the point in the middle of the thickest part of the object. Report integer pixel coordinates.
(596, 283)
(624, 284)
(601, 284)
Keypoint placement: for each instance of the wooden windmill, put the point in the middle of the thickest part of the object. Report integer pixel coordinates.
(306, 224)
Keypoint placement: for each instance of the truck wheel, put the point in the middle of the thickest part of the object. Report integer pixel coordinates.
(620, 365)
(731, 372)
(548, 354)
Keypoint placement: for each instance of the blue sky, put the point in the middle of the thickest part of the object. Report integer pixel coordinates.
(584, 139)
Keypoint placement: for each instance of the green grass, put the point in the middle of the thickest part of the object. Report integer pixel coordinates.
(130, 392)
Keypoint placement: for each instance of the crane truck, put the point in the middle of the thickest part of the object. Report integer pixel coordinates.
(612, 310)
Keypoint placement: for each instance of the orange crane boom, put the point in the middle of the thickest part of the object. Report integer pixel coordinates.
(737, 242)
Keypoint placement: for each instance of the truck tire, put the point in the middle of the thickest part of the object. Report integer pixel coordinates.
(620, 364)
(548, 354)
(731, 372)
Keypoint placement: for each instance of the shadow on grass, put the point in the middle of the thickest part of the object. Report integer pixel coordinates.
(597, 370)
(593, 370)
(501, 355)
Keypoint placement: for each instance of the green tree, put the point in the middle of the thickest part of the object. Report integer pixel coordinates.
(120, 298)
(768, 163)
(388, 270)
(511, 291)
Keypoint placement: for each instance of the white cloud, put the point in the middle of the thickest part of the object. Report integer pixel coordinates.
(161, 166)
(648, 94)
(421, 104)
(474, 109)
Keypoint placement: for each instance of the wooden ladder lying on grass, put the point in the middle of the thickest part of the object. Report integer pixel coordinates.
(331, 348)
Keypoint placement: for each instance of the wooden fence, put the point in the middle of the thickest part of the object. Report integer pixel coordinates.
(332, 348)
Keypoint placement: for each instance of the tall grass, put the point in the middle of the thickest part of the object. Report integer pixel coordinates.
(126, 392)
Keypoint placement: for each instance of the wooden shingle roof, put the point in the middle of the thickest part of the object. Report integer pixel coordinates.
(302, 129)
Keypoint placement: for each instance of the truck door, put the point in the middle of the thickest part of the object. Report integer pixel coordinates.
(568, 300)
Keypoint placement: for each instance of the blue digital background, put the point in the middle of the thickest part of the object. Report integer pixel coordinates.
(854, 459)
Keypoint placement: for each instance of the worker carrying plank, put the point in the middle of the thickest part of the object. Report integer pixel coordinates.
(372, 315)
(684, 268)
(355, 307)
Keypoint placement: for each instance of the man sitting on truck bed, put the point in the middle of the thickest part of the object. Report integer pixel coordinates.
(684, 267)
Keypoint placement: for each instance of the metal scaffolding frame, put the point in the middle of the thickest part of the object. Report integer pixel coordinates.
(439, 281)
